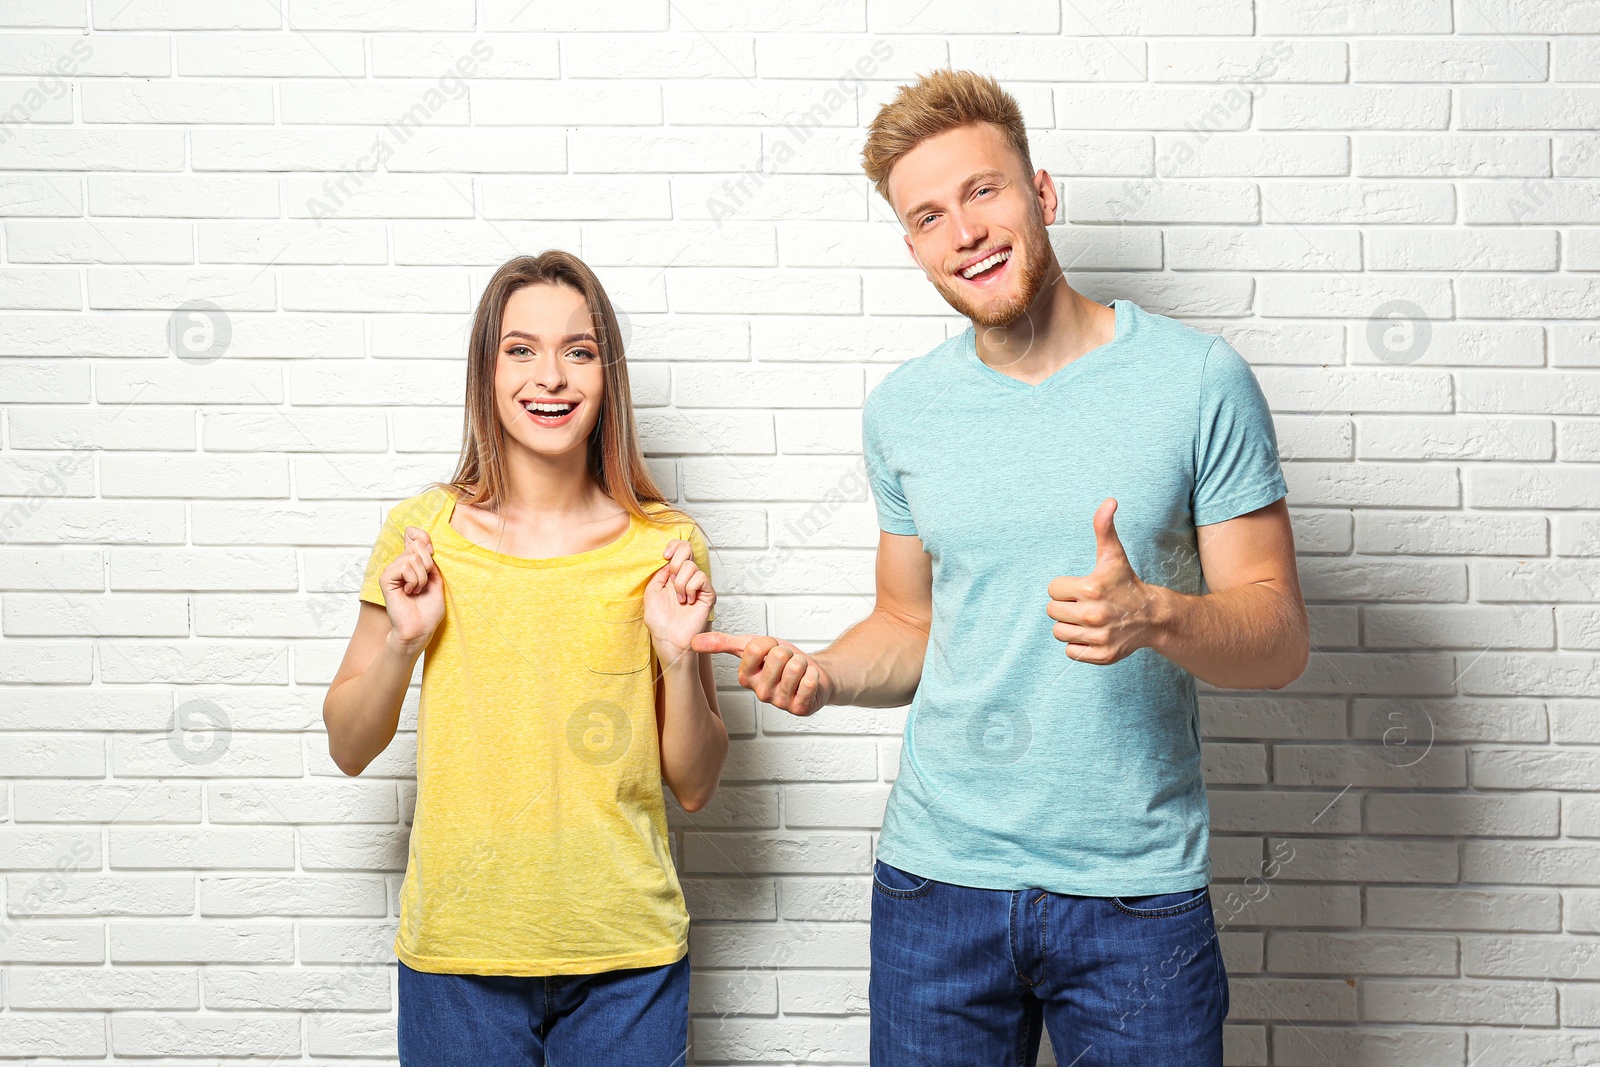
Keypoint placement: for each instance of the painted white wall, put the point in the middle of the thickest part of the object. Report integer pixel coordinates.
(1392, 218)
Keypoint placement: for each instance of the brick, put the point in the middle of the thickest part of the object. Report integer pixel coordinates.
(1463, 909)
(1506, 1003)
(1361, 954)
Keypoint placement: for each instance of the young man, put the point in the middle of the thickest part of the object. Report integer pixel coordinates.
(1052, 485)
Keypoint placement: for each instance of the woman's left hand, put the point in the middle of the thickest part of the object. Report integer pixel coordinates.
(677, 601)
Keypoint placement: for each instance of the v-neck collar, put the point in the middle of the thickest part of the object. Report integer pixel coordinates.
(969, 349)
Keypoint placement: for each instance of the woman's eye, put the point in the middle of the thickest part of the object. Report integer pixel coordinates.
(519, 352)
(581, 353)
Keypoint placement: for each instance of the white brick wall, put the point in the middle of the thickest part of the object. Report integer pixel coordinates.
(1396, 217)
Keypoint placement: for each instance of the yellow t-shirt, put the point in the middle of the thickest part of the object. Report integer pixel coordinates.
(539, 843)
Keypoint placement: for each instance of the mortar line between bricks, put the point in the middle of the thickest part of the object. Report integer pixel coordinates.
(1259, 985)
(89, 218)
(1453, 379)
(677, 11)
(111, 735)
(1087, 21)
(1500, 33)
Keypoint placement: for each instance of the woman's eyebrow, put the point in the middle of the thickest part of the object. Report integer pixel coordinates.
(534, 337)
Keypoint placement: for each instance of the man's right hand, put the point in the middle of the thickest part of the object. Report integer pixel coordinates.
(775, 671)
(413, 593)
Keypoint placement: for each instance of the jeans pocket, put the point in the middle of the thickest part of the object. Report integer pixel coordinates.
(1162, 905)
(893, 882)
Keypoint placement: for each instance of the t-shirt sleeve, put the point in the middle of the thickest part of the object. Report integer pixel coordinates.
(391, 539)
(894, 514)
(702, 555)
(417, 511)
(1236, 447)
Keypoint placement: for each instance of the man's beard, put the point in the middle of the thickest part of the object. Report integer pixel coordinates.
(1033, 270)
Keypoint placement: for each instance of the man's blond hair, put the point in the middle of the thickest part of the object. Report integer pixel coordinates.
(939, 101)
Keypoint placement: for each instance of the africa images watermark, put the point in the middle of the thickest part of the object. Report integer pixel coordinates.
(1535, 193)
(50, 88)
(451, 85)
(805, 527)
(51, 484)
(737, 192)
(1201, 129)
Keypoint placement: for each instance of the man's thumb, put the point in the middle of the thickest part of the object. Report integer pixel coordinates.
(717, 641)
(1107, 545)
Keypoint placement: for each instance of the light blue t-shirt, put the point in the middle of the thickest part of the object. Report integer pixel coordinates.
(1023, 768)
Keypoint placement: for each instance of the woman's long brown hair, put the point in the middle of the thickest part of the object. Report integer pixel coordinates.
(616, 462)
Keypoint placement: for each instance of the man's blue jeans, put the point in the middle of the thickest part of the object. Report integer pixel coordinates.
(964, 977)
(634, 1016)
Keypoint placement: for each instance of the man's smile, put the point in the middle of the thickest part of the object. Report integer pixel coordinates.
(988, 266)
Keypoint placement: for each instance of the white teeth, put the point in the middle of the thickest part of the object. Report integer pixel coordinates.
(548, 409)
(984, 264)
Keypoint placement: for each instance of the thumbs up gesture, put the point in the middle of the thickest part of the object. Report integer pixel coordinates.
(1104, 616)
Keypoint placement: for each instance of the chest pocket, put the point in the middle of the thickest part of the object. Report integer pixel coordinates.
(619, 641)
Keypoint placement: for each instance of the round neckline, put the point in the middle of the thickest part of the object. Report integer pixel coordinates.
(588, 555)
(1118, 306)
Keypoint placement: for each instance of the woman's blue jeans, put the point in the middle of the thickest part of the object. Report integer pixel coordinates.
(634, 1016)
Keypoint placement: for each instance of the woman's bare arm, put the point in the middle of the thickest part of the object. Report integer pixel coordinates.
(694, 739)
(362, 708)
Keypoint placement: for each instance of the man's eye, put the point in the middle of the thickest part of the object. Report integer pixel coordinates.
(925, 219)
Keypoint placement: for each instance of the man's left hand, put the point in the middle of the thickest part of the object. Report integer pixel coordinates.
(1106, 615)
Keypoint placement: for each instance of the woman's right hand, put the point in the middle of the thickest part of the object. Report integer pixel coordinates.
(413, 593)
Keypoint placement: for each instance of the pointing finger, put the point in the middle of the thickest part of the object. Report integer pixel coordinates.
(717, 641)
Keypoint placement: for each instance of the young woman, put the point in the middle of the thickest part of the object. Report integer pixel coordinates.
(555, 594)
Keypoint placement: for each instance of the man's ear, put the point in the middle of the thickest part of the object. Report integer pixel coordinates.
(1045, 187)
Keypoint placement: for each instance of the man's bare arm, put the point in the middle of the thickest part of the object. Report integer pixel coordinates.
(1249, 631)
(876, 663)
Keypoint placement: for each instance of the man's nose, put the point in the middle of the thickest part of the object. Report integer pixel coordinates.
(969, 231)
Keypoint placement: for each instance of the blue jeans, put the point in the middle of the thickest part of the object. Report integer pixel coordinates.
(964, 976)
(637, 1016)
